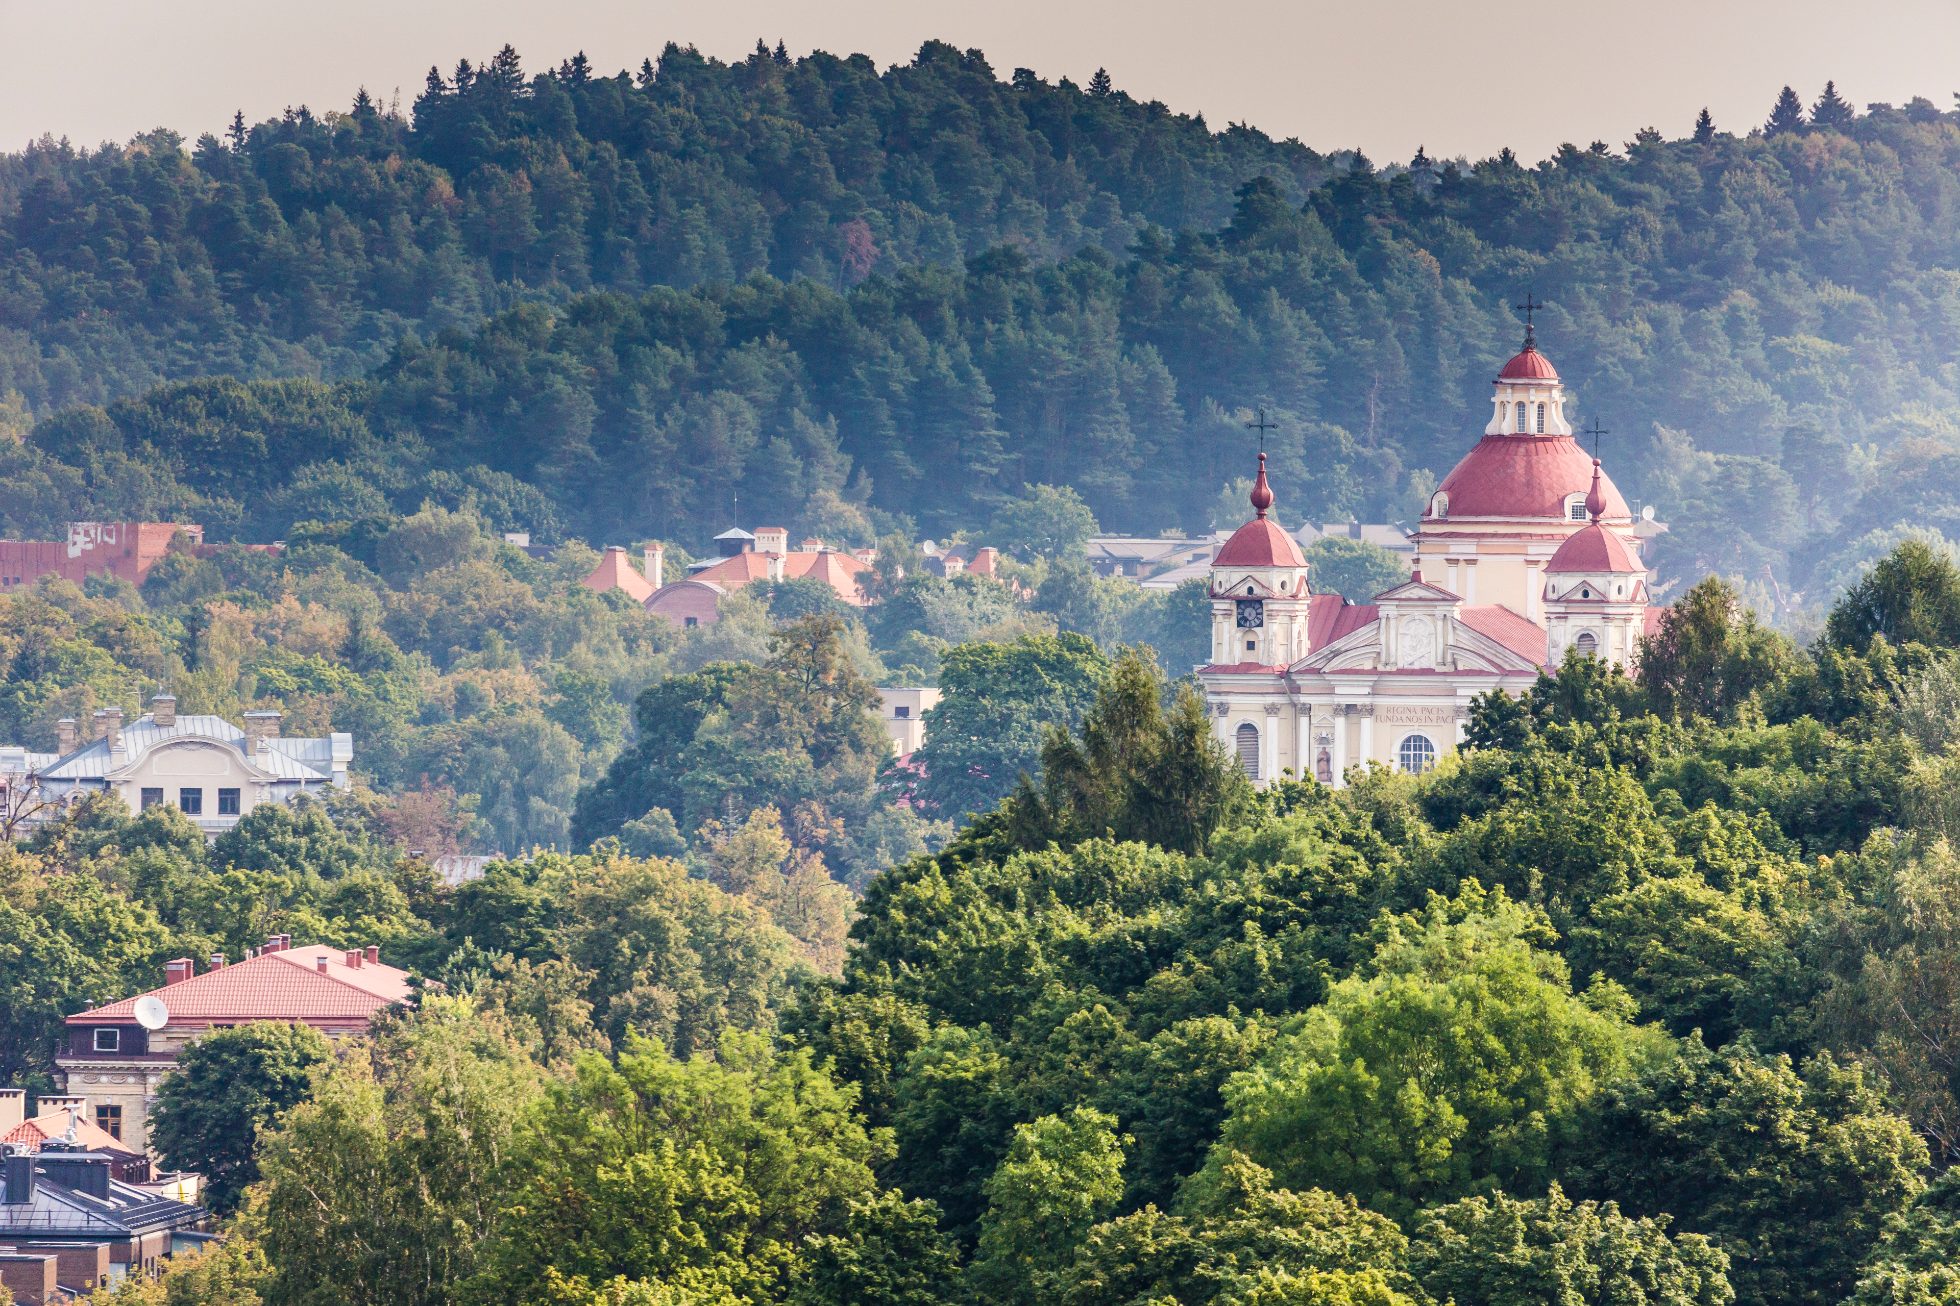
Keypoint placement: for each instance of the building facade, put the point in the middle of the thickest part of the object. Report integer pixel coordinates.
(1526, 549)
(112, 1063)
(211, 770)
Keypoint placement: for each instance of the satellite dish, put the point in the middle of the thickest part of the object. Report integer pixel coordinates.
(151, 1013)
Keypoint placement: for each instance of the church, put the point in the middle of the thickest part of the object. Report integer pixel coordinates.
(1525, 550)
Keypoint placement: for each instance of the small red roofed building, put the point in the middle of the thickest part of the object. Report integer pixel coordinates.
(126, 549)
(615, 572)
(112, 1062)
(1524, 551)
(65, 1120)
(695, 600)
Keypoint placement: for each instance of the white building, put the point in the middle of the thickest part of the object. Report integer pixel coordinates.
(904, 713)
(1524, 550)
(204, 766)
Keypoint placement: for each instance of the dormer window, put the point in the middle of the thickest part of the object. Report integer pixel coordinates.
(1439, 506)
(1575, 507)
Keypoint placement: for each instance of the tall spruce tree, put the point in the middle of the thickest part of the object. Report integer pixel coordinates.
(1704, 127)
(1099, 84)
(1832, 111)
(1787, 116)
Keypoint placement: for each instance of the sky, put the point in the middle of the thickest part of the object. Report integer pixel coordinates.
(1463, 78)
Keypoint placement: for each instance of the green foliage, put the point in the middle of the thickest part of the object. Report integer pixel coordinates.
(1501, 1251)
(1354, 569)
(1441, 1072)
(228, 1088)
(998, 703)
(1911, 596)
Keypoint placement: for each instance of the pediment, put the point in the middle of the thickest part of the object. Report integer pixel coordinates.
(1467, 650)
(1417, 591)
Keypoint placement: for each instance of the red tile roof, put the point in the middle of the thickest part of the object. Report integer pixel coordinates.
(1522, 636)
(284, 985)
(1595, 549)
(1529, 365)
(54, 1124)
(840, 571)
(1330, 617)
(617, 572)
(1261, 542)
(1524, 476)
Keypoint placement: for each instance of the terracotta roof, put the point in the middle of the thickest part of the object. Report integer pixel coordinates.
(838, 570)
(1524, 476)
(1522, 636)
(54, 1124)
(284, 985)
(617, 572)
(1329, 618)
(1529, 365)
(1595, 549)
(1261, 542)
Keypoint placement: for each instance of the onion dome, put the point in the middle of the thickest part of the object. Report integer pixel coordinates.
(1261, 542)
(1594, 551)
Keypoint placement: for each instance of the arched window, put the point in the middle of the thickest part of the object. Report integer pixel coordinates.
(1521, 426)
(1416, 755)
(1439, 507)
(1248, 743)
(1575, 508)
(1587, 643)
(1541, 419)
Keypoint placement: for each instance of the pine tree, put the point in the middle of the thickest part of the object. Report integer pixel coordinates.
(646, 72)
(1832, 112)
(1099, 84)
(782, 53)
(434, 88)
(1787, 116)
(237, 133)
(363, 104)
(579, 70)
(1704, 127)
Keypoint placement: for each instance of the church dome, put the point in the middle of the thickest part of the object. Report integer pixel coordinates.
(1529, 365)
(1595, 551)
(1261, 542)
(1516, 476)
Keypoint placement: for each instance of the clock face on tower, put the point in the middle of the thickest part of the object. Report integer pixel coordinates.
(1252, 614)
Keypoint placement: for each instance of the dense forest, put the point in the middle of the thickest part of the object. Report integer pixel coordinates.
(1650, 996)
(619, 307)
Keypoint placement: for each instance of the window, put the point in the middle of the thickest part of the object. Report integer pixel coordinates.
(1248, 742)
(227, 802)
(151, 797)
(108, 1040)
(1439, 507)
(109, 1120)
(190, 802)
(1520, 417)
(1587, 643)
(1541, 419)
(901, 712)
(1575, 508)
(1416, 755)
(691, 622)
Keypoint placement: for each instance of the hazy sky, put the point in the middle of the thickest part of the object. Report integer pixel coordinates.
(1387, 75)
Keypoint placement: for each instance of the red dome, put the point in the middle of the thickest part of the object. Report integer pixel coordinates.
(1524, 476)
(1261, 542)
(1594, 550)
(1529, 365)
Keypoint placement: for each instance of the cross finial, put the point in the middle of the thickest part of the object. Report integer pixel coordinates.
(1529, 308)
(1261, 425)
(1596, 431)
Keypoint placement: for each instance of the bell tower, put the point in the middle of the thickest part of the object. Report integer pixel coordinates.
(1259, 591)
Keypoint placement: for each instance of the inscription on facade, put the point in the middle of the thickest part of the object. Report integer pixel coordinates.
(1415, 714)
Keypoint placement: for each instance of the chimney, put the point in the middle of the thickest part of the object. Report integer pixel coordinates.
(49, 1102)
(656, 564)
(352, 958)
(774, 561)
(108, 725)
(13, 1109)
(320, 963)
(259, 727)
(272, 945)
(67, 736)
(17, 1173)
(176, 972)
(163, 710)
(217, 961)
(373, 951)
(772, 539)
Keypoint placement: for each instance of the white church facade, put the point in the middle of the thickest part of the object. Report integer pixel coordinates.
(1524, 550)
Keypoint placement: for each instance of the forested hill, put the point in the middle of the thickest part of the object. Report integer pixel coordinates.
(599, 304)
